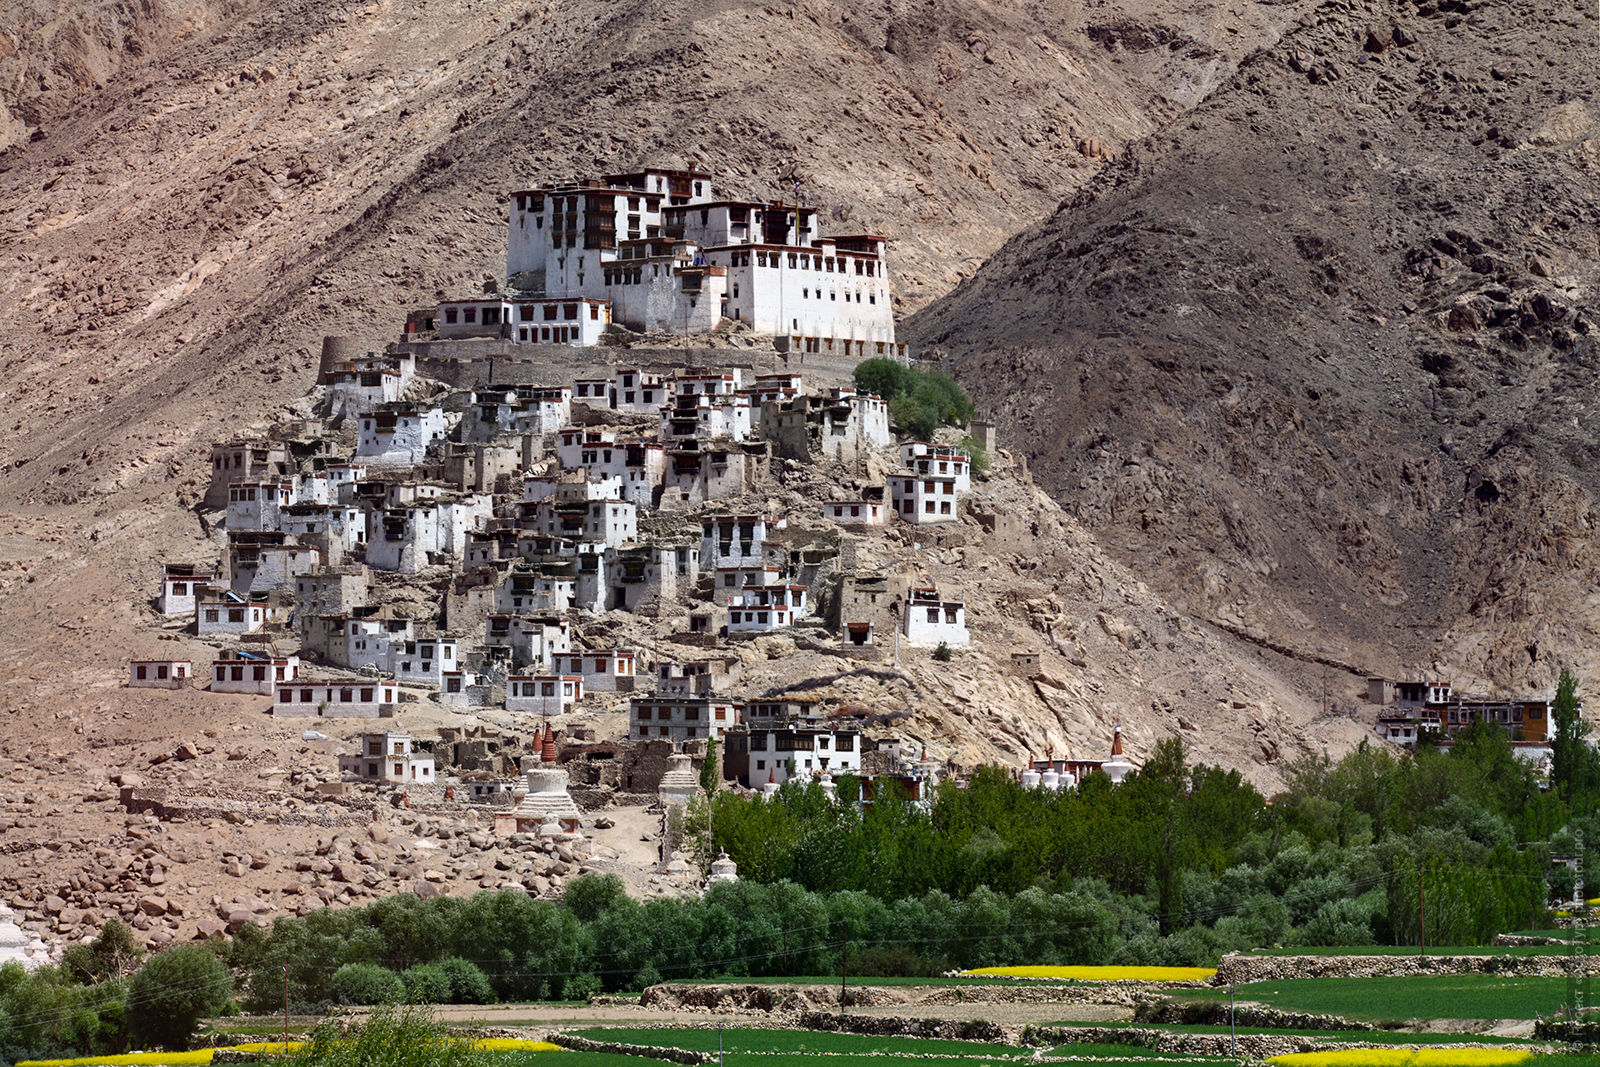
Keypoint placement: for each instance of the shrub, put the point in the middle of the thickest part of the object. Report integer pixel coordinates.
(172, 992)
(112, 954)
(365, 983)
(647, 977)
(942, 652)
(390, 1037)
(468, 983)
(426, 983)
(582, 987)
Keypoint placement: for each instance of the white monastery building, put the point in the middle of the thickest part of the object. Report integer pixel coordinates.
(387, 757)
(656, 250)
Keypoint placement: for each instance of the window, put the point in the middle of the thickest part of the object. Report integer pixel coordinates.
(285, 696)
(236, 615)
(211, 615)
(933, 615)
(305, 696)
(179, 588)
(140, 671)
(366, 696)
(469, 314)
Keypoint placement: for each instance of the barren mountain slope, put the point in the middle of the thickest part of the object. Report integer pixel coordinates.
(1318, 361)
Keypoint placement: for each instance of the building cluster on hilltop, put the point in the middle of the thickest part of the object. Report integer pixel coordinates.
(657, 252)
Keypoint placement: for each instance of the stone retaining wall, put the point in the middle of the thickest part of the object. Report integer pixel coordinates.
(1241, 969)
(617, 1048)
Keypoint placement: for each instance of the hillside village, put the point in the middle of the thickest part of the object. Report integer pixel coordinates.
(511, 596)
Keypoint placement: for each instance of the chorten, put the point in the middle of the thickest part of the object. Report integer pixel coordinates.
(547, 806)
(679, 784)
(15, 945)
(723, 869)
(1117, 767)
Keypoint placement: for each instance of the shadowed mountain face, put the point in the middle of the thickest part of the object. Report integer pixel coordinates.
(1318, 360)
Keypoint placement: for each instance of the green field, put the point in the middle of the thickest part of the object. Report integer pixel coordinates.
(1465, 996)
(1369, 1037)
(753, 1039)
(1411, 950)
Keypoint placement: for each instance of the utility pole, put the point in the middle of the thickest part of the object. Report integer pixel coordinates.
(286, 1007)
(1233, 1033)
(1422, 912)
(844, 968)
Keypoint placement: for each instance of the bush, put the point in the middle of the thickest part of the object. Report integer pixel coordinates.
(919, 402)
(468, 983)
(365, 983)
(647, 977)
(426, 983)
(112, 954)
(390, 1037)
(942, 652)
(582, 987)
(587, 895)
(172, 992)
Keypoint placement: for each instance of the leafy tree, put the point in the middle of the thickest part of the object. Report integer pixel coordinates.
(426, 983)
(1574, 772)
(112, 954)
(366, 983)
(172, 991)
(888, 378)
(587, 895)
(468, 983)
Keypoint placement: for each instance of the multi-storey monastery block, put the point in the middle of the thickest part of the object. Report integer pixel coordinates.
(656, 251)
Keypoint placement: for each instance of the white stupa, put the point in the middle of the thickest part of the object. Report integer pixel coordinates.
(770, 788)
(547, 807)
(723, 869)
(679, 784)
(1030, 776)
(1117, 767)
(15, 944)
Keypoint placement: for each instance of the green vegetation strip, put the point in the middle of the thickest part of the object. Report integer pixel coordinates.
(1371, 1037)
(1411, 950)
(1469, 996)
(751, 1039)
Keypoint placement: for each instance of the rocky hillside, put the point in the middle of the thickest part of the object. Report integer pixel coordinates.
(1318, 360)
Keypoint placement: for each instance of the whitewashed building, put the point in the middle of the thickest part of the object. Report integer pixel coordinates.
(398, 434)
(257, 505)
(681, 718)
(263, 568)
(669, 256)
(370, 640)
(159, 673)
(422, 662)
(763, 608)
(602, 670)
(927, 621)
(347, 698)
(856, 512)
(180, 584)
(609, 522)
(529, 639)
(732, 541)
(252, 672)
(403, 537)
(388, 757)
(543, 694)
(569, 319)
(230, 614)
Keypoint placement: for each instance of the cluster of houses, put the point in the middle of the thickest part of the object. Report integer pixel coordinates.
(1413, 710)
(540, 506)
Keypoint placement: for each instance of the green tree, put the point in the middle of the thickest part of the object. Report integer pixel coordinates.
(1574, 773)
(112, 954)
(366, 983)
(170, 994)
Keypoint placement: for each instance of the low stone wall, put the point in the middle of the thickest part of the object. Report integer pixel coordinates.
(617, 1048)
(897, 1026)
(1216, 1013)
(1241, 969)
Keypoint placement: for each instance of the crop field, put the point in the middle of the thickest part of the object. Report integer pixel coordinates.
(1411, 950)
(1469, 996)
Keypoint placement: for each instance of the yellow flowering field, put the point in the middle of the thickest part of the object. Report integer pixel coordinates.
(1405, 1057)
(1099, 974)
(202, 1056)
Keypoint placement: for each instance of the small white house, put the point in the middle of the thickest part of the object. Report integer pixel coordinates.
(464, 689)
(927, 621)
(610, 522)
(543, 694)
(681, 718)
(257, 505)
(778, 753)
(856, 512)
(252, 672)
(732, 541)
(180, 584)
(159, 673)
(387, 757)
(602, 671)
(422, 662)
(529, 639)
(348, 698)
(399, 434)
(404, 538)
(763, 608)
(230, 614)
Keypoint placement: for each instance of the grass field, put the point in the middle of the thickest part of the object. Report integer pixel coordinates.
(852, 980)
(1373, 1037)
(1411, 950)
(754, 1047)
(1467, 996)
